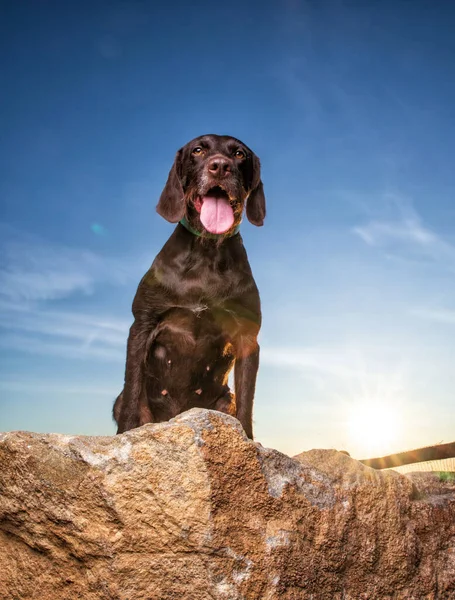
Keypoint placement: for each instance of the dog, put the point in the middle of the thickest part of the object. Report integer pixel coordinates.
(197, 311)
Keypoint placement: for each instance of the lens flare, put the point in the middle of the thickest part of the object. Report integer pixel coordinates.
(98, 229)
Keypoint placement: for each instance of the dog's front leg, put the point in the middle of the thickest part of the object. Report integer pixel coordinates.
(245, 372)
(133, 398)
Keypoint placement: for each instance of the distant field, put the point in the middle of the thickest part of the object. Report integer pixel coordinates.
(432, 465)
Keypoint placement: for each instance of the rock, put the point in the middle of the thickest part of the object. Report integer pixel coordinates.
(193, 510)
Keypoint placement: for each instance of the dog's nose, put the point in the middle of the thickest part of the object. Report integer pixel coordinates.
(219, 165)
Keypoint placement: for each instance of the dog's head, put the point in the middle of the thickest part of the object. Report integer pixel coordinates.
(211, 180)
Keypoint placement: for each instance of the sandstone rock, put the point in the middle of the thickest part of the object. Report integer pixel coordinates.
(193, 510)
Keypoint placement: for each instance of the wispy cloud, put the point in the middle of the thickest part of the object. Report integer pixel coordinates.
(351, 364)
(61, 349)
(328, 361)
(408, 230)
(33, 269)
(60, 387)
(63, 334)
(34, 274)
(407, 233)
(447, 317)
(71, 325)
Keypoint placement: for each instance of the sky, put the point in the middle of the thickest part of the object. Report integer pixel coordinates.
(350, 106)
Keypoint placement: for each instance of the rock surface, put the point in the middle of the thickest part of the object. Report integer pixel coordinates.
(193, 510)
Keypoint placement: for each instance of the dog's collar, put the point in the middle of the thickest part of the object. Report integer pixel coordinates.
(212, 236)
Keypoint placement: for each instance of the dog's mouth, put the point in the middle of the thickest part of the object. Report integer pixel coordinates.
(215, 210)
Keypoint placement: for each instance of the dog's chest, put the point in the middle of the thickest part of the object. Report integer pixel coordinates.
(201, 284)
(216, 286)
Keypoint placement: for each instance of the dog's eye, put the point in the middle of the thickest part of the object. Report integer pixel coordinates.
(197, 150)
(239, 154)
(169, 362)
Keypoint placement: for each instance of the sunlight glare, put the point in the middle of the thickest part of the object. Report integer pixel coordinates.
(374, 428)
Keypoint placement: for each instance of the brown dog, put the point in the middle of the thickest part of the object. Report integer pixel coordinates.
(197, 310)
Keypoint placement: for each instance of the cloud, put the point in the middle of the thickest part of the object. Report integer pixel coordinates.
(407, 230)
(64, 334)
(379, 232)
(329, 361)
(65, 349)
(76, 326)
(60, 388)
(407, 233)
(353, 363)
(440, 315)
(34, 270)
(34, 274)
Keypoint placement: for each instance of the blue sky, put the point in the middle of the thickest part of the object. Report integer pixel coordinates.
(351, 107)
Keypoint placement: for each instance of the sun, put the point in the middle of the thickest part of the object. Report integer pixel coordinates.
(373, 428)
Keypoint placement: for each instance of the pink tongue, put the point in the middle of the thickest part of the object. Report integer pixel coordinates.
(217, 215)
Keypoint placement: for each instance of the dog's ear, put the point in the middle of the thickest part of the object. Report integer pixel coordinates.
(171, 205)
(255, 204)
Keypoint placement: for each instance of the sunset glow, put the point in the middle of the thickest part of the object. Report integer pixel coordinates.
(374, 429)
